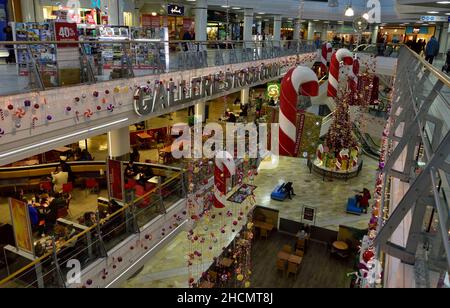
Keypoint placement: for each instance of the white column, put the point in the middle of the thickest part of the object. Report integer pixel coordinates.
(28, 13)
(200, 113)
(113, 12)
(245, 95)
(310, 31)
(443, 39)
(324, 36)
(39, 11)
(259, 27)
(376, 28)
(119, 143)
(277, 28)
(297, 28)
(201, 19)
(248, 24)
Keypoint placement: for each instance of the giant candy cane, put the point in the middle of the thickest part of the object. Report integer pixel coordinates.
(224, 168)
(327, 50)
(342, 55)
(353, 78)
(297, 81)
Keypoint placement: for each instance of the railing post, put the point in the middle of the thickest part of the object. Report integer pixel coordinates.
(58, 272)
(102, 248)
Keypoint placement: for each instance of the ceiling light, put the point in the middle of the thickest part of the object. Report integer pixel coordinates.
(443, 2)
(316, 20)
(236, 8)
(225, 6)
(366, 16)
(447, 13)
(349, 11)
(261, 13)
(154, 13)
(432, 12)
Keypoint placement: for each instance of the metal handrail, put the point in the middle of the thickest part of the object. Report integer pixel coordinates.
(86, 231)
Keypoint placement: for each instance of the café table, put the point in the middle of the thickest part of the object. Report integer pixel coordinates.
(283, 255)
(295, 259)
(263, 225)
(339, 245)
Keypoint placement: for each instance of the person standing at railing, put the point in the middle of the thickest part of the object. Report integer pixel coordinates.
(446, 67)
(431, 50)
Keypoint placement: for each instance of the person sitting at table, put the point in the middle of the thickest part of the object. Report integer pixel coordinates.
(131, 171)
(65, 167)
(59, 178)
(89, 219)
(231, 118)
(135, 156)
(289, 190)
(85, 155)
(34, 215)
(51, 215)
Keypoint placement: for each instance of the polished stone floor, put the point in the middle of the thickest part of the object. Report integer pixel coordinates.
(329, 197)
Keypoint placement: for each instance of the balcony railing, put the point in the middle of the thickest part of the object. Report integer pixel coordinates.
(94, 242)
(50, 64)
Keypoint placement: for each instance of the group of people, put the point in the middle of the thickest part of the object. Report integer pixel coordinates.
(430, 49)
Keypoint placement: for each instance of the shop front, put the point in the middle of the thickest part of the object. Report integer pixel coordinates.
(217, 26)
(414, 33)
(393, 34)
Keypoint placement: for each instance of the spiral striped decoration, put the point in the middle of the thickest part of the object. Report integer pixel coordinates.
(343, 56)
(297, 81)
(327, 50)
(353, 78)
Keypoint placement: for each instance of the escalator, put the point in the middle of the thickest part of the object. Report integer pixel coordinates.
(369, 147)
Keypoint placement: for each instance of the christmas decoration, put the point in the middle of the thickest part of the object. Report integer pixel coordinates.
(345, 57)
(325, 56)
(298, 81)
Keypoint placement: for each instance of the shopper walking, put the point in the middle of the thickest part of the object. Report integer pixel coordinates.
(431, 50)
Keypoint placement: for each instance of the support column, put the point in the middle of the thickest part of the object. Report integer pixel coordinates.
(200, 113)
(39, 11)
(119, 143)
(28, 11)
(310, 31)
(245, 96)
(113, 12)
(201, 19)
(376, 28)
(277, 28)
(324, 36)
(443, 39)
(259, 27)
(248, 24)
(297, 28)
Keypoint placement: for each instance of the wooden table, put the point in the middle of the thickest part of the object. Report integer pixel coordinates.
(144, 136)
(283, 255)
(227, 262)
(339, 245)
(263, 225)
(295, 259)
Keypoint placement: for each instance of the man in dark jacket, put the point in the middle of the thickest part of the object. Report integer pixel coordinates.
(431, 50)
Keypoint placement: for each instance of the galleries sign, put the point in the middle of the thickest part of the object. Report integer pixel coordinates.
(162, 95)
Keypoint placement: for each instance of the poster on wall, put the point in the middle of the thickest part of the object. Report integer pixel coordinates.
(20, 218)
(66, 31)
(115, 180)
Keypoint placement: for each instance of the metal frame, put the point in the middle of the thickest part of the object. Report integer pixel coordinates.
(410, 109)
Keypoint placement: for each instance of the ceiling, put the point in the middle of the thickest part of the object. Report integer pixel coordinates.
(411, 10)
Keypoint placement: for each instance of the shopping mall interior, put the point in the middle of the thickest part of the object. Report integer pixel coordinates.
(224, 144)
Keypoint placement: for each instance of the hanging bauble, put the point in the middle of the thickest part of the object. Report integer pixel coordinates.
(240, 277)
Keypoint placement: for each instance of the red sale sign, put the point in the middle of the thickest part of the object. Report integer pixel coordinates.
(66, 31)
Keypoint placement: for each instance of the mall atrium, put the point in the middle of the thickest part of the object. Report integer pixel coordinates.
(224, 144)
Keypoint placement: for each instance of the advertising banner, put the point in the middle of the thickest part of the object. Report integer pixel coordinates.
(115, 180)
(66, 31)
(21, 224)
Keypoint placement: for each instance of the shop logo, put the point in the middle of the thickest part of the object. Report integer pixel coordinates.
(74, 274)
(175, 10)
(74, 6)
(374, 12)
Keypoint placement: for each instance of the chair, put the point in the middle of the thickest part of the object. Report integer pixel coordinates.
(67, 188)
(301, 244)
(299, 253)
(263, 234)
(287, 248)
(92, 185)
(292, 268)
(46, 186)
(281, 265)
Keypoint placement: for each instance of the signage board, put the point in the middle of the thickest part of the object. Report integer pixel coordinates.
(20, 218)
(175, 10)
(309, 213)
(432, 18)
(66, 31)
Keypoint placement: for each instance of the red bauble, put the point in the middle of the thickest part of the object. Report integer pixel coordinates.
(368, 255)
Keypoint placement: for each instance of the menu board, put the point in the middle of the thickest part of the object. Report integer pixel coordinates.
(309, 213)
(20, 218)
